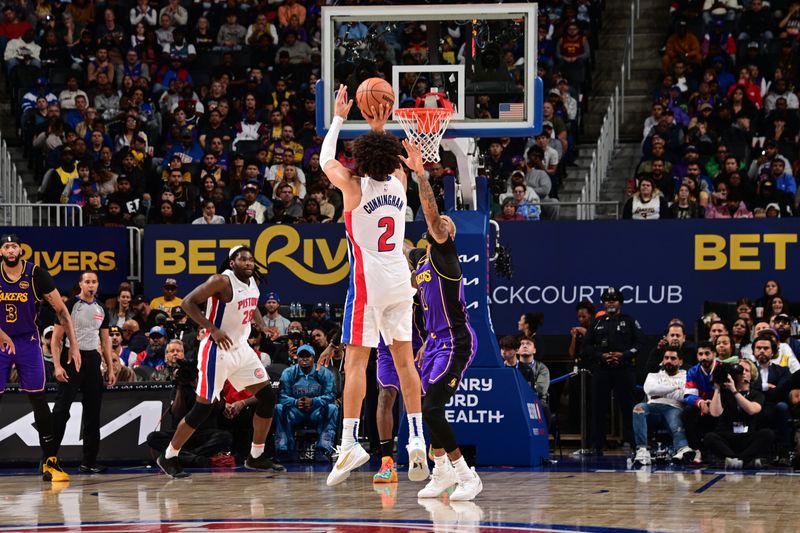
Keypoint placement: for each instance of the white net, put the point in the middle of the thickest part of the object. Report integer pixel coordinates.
(425, 126)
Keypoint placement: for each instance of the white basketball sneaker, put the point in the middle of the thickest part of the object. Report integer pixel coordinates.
(467, 490)
(442, 479)
(418, 469)
(348, 461)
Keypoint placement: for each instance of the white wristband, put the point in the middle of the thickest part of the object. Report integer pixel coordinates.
(328, 150)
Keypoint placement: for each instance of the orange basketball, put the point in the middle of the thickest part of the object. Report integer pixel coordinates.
(374, 92)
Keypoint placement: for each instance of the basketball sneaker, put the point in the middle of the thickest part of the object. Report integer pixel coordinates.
(263, 463)
(442, 478)
(52, 471)
(348, 461)
(467, 490)
(387, 473)
(171, 467)
(418, 469)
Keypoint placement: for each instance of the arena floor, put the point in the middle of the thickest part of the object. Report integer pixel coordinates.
(599, 496)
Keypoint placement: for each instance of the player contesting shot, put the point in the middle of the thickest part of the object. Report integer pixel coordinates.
(379, 297)
(231, 299)
(451, 344)
(22, 286)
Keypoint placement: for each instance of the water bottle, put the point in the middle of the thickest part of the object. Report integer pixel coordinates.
(302, 309)
(293, 310)
(327, 310)
(795, 328)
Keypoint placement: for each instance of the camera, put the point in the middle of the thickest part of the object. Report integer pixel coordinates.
(185, 373)
(295, 335)
(721, 373)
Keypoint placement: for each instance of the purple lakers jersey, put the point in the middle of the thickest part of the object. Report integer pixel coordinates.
(18, 299)
(441, 289)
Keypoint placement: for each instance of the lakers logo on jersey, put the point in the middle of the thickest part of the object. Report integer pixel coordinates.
(453, 383)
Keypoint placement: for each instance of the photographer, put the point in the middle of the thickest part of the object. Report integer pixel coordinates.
(735, 407)
(207, 440)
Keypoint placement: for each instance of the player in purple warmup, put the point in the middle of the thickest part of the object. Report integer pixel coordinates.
(22, 286)
(451, 344)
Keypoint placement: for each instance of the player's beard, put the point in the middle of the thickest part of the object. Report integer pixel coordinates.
(11, 263)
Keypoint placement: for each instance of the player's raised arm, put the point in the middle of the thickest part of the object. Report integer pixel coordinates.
(338, 174)
(215, 285)
(437, 227)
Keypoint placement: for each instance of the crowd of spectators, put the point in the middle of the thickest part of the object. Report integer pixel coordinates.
(178, 111)
(682, 384)
(721, 139)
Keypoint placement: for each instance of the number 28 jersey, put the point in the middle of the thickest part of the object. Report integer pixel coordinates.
(234, 317)
(376, 229)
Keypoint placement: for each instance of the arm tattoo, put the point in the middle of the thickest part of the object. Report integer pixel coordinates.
(430, 208)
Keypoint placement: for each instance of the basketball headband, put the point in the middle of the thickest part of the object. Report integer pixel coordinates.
(235, 249)
(10, 237)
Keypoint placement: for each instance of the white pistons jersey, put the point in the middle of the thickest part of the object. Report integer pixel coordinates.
(379, 273)
(234, 317)
(240, 365)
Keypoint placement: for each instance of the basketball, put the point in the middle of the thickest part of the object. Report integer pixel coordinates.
(374, 92)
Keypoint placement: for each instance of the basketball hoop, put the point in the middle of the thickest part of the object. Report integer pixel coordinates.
(426, 125)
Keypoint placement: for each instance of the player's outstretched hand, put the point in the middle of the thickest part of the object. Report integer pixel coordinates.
(6, 344)
(380, 116)
(342, 105)
(414, 159)
(222, 339)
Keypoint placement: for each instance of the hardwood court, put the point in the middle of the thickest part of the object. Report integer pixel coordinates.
(553, 500)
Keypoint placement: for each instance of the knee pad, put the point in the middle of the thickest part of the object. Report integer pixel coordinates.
(198, 414)
(265, 407)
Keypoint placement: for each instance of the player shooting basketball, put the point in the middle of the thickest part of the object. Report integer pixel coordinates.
(451, 344)
(379, 298)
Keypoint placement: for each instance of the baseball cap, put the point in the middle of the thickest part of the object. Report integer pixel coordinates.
(690, 148)
(114, 329)
(177, 313)
(138, 299)
(170, 282)
(319, 306)
(10, 237)
(306, 348)
(274, 296)
(252, 184)
(563, 81)
(752, 44)
(706, 106)
(774, 206)
(783, 317)
(158, 330)
(547, 124)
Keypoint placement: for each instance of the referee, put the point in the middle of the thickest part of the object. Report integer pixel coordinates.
(91, 322)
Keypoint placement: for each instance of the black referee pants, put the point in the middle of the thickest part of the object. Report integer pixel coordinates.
(89, 381)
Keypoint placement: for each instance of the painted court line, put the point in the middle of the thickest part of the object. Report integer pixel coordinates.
(710, 484)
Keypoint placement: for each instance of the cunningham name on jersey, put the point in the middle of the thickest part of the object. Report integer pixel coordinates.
(382, 200)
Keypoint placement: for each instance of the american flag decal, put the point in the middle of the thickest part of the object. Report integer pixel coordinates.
(534, 412)
(511, 111)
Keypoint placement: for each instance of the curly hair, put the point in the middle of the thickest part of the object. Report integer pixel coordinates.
(377, 155)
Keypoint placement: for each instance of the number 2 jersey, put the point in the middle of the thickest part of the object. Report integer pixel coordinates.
(234, 317)
(18, 299)
(376, 229)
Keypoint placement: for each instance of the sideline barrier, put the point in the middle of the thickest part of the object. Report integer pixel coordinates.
(130, 411)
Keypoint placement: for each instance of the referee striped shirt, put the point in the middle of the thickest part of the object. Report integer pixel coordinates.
(88, 318)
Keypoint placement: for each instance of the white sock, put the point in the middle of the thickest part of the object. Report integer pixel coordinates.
(462, 469)
(440, 462)
(349, 433)
(415, 425)
(256, 450)
(171, 452)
